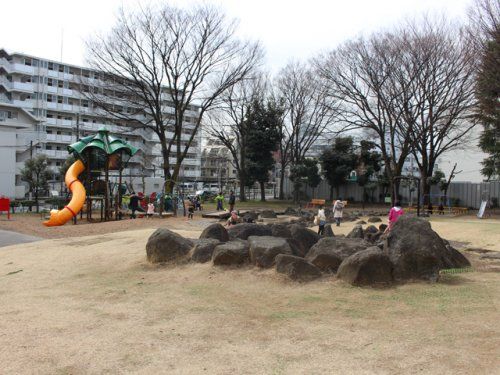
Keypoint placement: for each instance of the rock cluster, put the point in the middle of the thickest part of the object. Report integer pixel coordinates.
(410, 251)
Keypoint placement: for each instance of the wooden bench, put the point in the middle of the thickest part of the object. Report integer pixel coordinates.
(316, 202)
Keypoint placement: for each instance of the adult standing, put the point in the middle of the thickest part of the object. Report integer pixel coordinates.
(338, 208)
(134, 204)
(232, 201)
(321, 220)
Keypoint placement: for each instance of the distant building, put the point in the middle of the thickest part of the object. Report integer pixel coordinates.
(48, 99)
(217, 167)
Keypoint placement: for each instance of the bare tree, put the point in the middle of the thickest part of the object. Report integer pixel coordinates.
(309, 114)
(484, 21)
(163, 69)
(438, 66)
(228, 123)
(361, 76)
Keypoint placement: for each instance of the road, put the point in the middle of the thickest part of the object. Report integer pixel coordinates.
(8, 238)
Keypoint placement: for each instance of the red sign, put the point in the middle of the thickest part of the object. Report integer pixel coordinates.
(5, 205)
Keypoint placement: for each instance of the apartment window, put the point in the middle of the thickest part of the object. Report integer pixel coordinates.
(86, 74)
(49, 98)
(50, 66)
(49, 131)
(58, 163)
(85, 103)
(58, 148)
(70, 101)
(50, 82)
(66, 69)
(58, 132)
(48, 147)
(61, 68)
(60, 99)
(27, 62)
(68, 118)
(34, 62)
(60, 84)
(50, 115)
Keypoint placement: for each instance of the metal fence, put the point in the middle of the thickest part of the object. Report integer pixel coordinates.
(464, 194)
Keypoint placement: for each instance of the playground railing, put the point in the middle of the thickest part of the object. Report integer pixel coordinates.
(456, 211)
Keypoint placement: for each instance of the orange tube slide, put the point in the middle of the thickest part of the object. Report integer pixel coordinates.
(60, 217)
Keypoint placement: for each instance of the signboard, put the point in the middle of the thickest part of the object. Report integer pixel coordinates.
(387, 200)
(482, 208)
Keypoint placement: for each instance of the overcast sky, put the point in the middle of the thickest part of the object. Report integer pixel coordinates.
(288, 29)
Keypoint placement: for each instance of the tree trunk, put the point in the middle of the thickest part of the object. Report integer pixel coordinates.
(36, 202)
(395, 191)
(262, 191)
(363, 199)
(282, 187)
(242, 192)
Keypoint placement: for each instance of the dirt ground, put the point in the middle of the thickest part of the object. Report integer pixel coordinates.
(94, 305)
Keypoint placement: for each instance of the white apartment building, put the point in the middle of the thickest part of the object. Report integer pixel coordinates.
(45, 100)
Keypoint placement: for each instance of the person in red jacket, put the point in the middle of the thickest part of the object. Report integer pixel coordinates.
(394, 215)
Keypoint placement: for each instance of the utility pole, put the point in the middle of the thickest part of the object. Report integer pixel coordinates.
(77, 127)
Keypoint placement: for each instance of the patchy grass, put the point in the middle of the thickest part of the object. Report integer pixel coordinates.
(101, 308)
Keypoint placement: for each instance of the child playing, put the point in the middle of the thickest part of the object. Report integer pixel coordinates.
(394, 215)
(233, 219)
(151, 210)
(321, 220)
(190, 210)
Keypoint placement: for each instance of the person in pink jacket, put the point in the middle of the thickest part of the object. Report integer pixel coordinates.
(394, 215)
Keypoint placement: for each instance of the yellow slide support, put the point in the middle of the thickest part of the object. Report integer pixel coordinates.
(60, 217)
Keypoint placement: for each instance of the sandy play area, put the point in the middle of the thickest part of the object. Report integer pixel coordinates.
(93, 305)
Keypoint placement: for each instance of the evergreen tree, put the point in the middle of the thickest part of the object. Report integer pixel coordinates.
(306, 172)
(488, 95)
(369, 164)
(36, 174)
(263, 121)
(338, 162)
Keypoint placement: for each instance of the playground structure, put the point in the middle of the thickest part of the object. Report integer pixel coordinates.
(94, 154)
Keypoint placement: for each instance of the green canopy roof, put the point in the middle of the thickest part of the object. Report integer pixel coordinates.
(103, 141)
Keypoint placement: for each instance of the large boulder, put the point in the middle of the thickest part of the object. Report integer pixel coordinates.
(230, 253)
(268, 214)
(356, 232)
(305, 238)
(290, 211)
(264, 249)
(328, 231)
(215, 231)
(374, 219)
(296, 247)
(296, 268)
(245, 230)
(249, 217)
(280, 230)
(329, 252)
(203, 249)
(454, 258)
(373, 237)
(367, 267)
(416, 251)
(164, 246)
(370, 229)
